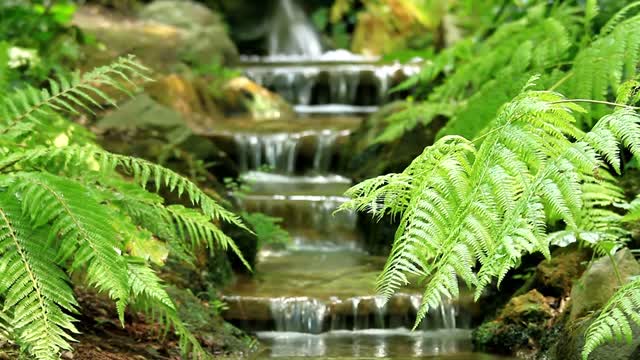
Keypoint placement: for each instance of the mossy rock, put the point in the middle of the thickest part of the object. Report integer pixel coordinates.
(570, 341)
(205, 322)
(518, 328)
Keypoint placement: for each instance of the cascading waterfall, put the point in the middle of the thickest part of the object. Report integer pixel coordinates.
(313, 316)
(280, 151)
(327, 83)
(298, 314)
(276, 151)
(315, 296)
(292, 33)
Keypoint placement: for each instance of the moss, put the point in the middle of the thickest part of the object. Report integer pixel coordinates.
(518, 328)
(204, 320)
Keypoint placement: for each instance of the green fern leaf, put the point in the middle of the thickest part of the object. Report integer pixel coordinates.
(36, 292)
(83, 227)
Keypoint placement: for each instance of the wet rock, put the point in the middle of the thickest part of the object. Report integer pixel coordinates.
(260, 103)
(186, 97)
(205, 35)
(600, 282)
(518, 327)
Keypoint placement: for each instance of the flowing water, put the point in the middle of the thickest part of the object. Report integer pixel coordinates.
(316, 297)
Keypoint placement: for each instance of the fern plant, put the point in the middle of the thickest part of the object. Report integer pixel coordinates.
(472, 209)
(68, 206)
(555, 42)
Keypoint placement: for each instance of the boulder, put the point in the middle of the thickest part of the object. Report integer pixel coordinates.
(600, 282)
(589, 294)
(205, 35)
(158, 38)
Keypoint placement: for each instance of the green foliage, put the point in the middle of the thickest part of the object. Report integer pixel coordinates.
(614, 322)
(41, 41)
(476, 88)
(472, 209)
(267, 229)
(68, 206)
(556, 42)
(218, 74)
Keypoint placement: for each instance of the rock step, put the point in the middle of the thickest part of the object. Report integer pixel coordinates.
(311, 315)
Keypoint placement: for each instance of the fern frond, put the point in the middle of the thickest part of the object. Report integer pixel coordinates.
(489, 205)
(195, 226)
(24, 111)
(81, 226)
(601, 67)
(36, 292)
(614, 322)
(633, 214)
(151, 297)
(141, 170)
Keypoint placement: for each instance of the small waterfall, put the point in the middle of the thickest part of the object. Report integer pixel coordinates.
(380, 309)
(292, 33)
(279, 152)
(324, 151)
(326, 83)
(444, 317)
(355, 302)
(309, 219)
(276, 151)
(298, 314)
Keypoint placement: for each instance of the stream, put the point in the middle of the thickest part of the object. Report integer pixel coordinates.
(316, 298)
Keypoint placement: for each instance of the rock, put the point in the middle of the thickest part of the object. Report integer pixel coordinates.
(205, 33)
(589, 294)
(207, 325)
(518, 327)
(160, 41)
(571, 338)
(117, 35)
(555, 277)
(144, 128)
(248, 22)
(185, 96)
(261, 103)
(599, 283)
